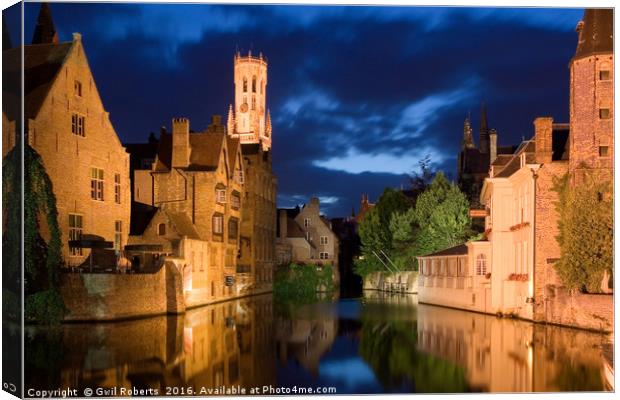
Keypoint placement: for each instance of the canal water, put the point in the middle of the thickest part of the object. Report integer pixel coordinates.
(375, 344)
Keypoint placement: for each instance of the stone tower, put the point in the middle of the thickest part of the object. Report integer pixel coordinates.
(592, 95)
(249, 115)
(44, 31)
(468, 138)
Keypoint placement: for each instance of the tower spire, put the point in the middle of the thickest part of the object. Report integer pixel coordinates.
(484, 129)
(468, 139)
(231, 121)
(45, 32)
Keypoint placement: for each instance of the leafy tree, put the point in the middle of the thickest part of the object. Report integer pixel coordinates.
(422, 179)
(585, 231)
(404, 229)
(41, 258)
(375, 233)
(442, 214)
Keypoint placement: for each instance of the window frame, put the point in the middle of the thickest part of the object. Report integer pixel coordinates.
(117, 188)
(97, 184)
(217, 221)
(324, 240)
(323, 255)
(118, 235)
(78, 124)
(481, 264)
(75, 233)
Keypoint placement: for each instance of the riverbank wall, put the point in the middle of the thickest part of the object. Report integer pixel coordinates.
(109, 297)
(403, 281)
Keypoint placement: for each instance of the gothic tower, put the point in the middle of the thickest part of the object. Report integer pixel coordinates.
(44, 31)
(484, 130)
(592, 95)
(249, 115)
(468, 139)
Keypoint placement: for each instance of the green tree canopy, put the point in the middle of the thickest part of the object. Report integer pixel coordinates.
(585, 231)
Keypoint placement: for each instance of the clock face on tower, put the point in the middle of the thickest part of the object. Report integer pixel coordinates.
(244, 107)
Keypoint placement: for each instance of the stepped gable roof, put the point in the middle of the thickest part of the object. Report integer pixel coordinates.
(183, 225)
(42, 62)
(459, 250)
(596, 32)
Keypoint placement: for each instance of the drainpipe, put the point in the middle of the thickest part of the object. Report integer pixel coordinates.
(535, 178)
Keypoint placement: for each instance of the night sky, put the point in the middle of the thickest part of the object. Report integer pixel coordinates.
(357, 94)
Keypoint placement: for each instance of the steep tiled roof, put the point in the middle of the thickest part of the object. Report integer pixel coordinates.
(233, 145)
(596, 32)
(204, 155)
(41, 65)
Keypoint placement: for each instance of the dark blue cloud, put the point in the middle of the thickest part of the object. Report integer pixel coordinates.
(357, 94)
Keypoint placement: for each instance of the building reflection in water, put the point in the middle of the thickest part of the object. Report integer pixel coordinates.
(381, 343)
(508, 355)
(223, 344)
(307, 335)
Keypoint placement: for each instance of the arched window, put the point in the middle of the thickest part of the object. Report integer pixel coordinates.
(245, 85)
(254, 84)
(161, 229)
(481, 264)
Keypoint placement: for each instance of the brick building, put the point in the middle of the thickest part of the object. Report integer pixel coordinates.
(521, 223)
(249, 121)
(66, 123)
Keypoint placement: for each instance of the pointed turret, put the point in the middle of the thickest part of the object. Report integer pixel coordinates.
(45, 32)
(595, 32)
(468, 139)
(484, 130)
(231, 121)
(268, 124)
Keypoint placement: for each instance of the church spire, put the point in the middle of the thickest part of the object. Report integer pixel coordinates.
(484, 130)
(468, 139)
(45, 32)
(231, 121)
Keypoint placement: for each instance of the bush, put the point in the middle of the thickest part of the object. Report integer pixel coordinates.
(45, 307)
(300, 283)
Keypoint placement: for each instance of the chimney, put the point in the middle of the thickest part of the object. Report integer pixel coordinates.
(492, 145)
(283, 224)
(180, 143)
(543, 128)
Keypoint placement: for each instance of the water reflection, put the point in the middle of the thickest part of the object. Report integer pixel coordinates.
(372, 345)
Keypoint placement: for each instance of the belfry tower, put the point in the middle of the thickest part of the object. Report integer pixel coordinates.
(249, 119)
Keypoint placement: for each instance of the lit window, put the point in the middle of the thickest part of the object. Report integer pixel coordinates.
(77, 88)
(96, 184)
(78, 125)
(161, 229)
(118, 235)
(481, 264)
(117, 188)
(323, 240)
(604, 75)
(218, 224)
(220, 196)
(604, 113)
(603, 151)
(75, 233)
